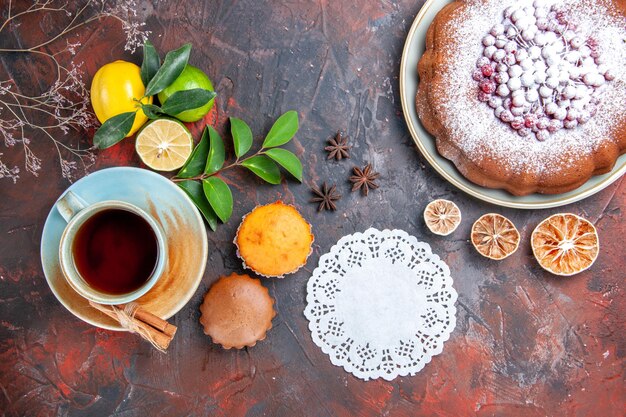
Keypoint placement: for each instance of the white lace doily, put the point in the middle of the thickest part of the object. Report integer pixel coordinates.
(381, 304)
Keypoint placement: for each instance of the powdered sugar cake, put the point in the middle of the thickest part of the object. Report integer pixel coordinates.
(527, 96)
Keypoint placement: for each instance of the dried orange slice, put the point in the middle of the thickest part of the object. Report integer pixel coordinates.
(565, 244)
(494, 236)
(442, 217)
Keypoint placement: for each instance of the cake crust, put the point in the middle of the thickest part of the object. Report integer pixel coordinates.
(488, 169)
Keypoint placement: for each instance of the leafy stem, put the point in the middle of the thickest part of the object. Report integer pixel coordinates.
(238, 162)
(199, 178)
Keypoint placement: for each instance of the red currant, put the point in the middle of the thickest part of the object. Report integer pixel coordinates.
(487, 70)
(488, 86)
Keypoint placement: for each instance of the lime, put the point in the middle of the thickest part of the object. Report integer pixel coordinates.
(190, 78)
(164, 144)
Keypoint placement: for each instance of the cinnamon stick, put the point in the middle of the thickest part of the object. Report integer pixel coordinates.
(154, 321)
(160, 339)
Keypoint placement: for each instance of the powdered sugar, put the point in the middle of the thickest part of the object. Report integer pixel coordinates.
(475, 130)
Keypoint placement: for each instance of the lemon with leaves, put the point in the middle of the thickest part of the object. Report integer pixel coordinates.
(115, 89)
(191, 78)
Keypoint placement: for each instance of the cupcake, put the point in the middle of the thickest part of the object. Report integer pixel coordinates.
(237, 311)
(274, 240)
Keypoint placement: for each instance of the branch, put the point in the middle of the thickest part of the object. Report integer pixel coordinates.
(227, 167)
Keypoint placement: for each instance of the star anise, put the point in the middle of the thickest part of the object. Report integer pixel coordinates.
(325, 196)
(338, 147)
(364, 179)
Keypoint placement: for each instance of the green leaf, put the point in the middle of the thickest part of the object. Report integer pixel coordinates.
(152, 111)
(264, 168)
(242, 136)
(197, 160)
(283, 130)
(286, 160)
(114, 130)
(187, 100)
(215, 159)
(194, 190)
(219, 196)
(173, 65)
(151, 62)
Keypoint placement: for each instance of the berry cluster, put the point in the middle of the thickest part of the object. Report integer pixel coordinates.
(537, 74)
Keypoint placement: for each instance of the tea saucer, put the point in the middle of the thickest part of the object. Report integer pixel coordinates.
(170, 206)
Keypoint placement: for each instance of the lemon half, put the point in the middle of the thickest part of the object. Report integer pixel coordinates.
(164, 144)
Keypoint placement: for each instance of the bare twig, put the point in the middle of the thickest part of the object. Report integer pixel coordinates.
(64, 105)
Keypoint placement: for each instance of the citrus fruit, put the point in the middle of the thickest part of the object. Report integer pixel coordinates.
(442, 217)
(565, 244)
(114, 88)
(190, 78)
(494, 236)
(164, 144)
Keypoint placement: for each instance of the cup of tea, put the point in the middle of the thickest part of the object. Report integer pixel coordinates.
(111, 252)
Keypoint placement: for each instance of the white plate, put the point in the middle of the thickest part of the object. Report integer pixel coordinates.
(413, 50)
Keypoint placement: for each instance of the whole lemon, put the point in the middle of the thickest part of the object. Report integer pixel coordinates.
(190, 78)
(114, 89)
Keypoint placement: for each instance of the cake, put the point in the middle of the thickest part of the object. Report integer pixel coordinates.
(274, 240)
(237, 311)
(526, 96)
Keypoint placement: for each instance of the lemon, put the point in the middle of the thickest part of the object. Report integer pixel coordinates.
(190, 78)
(164, 144)
(114, 89)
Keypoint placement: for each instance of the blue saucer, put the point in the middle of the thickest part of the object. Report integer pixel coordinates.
(170, 206)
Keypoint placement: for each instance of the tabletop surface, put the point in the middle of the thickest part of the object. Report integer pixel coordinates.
(526, 343)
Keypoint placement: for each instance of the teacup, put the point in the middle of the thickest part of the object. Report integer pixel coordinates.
(107, 249)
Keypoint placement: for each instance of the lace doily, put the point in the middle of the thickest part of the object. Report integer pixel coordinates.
(381, 304)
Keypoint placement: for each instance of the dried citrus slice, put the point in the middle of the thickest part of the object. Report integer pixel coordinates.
(494, 236)
(164, 144)
(442, 217)
(565, 244)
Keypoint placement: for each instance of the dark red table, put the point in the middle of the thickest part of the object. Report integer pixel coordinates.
(526, 343)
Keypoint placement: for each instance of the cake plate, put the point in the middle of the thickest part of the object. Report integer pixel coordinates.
(413, 50)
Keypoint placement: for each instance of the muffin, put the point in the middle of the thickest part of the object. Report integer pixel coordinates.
(274, 240)
(237, 311)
